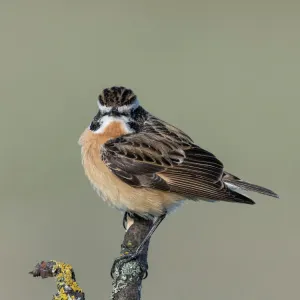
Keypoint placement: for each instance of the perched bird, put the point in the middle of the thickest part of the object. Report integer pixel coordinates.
(145, 166)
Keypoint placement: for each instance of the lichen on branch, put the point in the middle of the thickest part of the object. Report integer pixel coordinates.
(68, 288)
(127, 275)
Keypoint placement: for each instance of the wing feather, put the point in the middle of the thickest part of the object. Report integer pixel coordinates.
(165, 158)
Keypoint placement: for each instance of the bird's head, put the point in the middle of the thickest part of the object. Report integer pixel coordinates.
(117, 104)
(117, 97)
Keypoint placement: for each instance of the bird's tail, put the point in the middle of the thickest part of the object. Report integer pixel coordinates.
(234, 183)
(239, 198)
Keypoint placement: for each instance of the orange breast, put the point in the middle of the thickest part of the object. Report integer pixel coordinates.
(112, 189)
(113, 130)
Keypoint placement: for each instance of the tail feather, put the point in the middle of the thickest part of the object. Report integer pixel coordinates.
(235, 182)
(239, 198)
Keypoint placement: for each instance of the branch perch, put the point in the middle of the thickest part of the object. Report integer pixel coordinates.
(65, 279)
(127, 277)
(127, 282)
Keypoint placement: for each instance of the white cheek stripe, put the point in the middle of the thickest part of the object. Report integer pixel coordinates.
(121, 109)
(107, 120)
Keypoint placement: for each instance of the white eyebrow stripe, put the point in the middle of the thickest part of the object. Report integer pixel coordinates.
(134, 105)
(124, 108)
(103, 108)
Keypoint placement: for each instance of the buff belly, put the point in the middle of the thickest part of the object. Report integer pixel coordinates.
(145, 202)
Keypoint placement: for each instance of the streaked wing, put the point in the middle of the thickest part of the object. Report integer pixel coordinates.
(163, 157)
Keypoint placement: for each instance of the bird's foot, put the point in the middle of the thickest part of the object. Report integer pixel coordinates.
(120, 261)
(125, 219)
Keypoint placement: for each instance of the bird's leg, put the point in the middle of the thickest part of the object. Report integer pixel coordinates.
(155, 224)
(125, 220)
(128, 257)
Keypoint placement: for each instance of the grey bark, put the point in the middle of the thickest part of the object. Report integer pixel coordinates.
(127, 282)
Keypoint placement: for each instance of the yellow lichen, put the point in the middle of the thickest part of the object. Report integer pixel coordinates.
(67, 287)
(64, 278)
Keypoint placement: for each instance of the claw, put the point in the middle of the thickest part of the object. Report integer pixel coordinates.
(125, 259)
(128, 257)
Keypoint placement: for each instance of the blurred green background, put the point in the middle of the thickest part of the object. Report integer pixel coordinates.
(226, 72)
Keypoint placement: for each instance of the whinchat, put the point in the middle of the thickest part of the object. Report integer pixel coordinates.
(145, 166)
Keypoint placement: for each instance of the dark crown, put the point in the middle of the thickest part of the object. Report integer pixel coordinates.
(116, 96)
